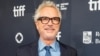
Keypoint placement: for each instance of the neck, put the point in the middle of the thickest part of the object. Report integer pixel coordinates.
(47, 42)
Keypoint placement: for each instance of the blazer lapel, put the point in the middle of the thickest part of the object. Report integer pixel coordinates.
(63, 50)
(34, 49)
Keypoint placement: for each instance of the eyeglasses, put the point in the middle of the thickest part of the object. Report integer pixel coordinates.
(45, 20)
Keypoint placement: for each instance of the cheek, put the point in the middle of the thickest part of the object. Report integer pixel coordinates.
(57, 27)
(39, 26)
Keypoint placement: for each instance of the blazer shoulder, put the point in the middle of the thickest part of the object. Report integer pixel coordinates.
(67, 46)
(26, 50)
(32, 44)
(68, 49)
(26, 46)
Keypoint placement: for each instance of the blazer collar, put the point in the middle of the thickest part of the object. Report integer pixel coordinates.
(63, 49)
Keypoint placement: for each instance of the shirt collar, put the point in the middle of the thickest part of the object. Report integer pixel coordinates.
(54, 45)
(41, 45)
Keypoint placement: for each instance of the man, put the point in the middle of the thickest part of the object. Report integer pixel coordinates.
(47, 19)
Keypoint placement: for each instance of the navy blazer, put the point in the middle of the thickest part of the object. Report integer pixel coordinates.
(32, 50)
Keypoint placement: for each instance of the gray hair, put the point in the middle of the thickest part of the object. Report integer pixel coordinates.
(45, 4)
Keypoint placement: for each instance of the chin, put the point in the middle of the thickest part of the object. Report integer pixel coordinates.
(50, 37)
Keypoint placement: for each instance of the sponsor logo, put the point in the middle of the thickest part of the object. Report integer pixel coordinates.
(58, 35)
(87, 37)
(19, 10)
(62, 6)
(94, 5)
(19, 37)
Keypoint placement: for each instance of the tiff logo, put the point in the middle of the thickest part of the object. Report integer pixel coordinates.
(94, 5)
(19, 10)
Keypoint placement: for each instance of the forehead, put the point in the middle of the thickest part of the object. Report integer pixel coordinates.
(49, 11)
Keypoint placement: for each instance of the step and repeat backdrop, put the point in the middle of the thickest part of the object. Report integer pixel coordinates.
(85, 27)
(80, 26)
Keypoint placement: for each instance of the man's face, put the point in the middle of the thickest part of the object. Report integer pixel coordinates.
(48, 31)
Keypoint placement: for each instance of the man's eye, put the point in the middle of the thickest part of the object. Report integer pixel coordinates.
(57, 19)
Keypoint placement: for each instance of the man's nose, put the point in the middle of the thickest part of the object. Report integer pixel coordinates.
(50, 22)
